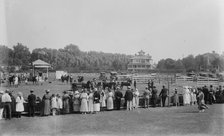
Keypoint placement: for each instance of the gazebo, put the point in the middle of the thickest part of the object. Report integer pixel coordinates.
(40, 64)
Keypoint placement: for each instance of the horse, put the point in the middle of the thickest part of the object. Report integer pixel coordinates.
(111, 85)
(80, 79)
(11, 80)
(65, 78)
(127, 83)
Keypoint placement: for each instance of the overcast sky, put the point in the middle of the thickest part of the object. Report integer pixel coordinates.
(162, 28)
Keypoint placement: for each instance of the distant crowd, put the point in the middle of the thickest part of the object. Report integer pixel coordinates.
(94, 100)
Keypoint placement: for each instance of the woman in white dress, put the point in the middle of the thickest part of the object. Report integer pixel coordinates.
(135, 100)
(19, 104)
(110, 102)
(103, 99)
(54, 104)
(186, 96)
(84, 104)
(90, 101)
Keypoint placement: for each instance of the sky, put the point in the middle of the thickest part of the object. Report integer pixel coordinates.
(162, 28)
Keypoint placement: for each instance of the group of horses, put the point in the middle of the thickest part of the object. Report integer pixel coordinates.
(90, 84)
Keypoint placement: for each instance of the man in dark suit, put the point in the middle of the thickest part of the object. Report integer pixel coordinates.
(163, 95)
(128, 97)
(31, 103)
(118, 96)
(154, 96)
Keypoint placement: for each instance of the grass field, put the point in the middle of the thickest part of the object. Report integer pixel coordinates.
(173, 121)
(184, 120)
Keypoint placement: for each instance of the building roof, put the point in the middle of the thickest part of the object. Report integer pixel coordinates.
(40, 63)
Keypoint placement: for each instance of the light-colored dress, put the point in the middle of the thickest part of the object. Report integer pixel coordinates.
(90, 102)
(46, 104)
(66, 106)
(59, 103)
(84, 104)
(135, 101)
(54, 104)
(103, 98)
(19, 104)
(187, 97)
(110, 103)
(76, 103)
(16, 80)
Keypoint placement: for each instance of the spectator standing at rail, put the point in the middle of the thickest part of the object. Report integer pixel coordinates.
(135, 102)
(31, 104)
(118, 96)
(1, 105)
(13, 104)
(129, 97)
(146, 95)
(46, 103)
(84, 103)
(65, 100)
(154, 96)
(60, 104)
(176, 98)
(96, 100)
(206, 94)
(90, 101)
(19, 104)
(54, 105)
(135, 85)
(211, 95)
(110, 101)
(76, 102)
(163, 95)
(102, 100)
(6, 99)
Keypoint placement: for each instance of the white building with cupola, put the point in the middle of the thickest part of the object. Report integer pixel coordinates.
(141, 62)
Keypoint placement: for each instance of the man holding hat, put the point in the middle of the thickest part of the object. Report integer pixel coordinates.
(128, 97)
(31, 103)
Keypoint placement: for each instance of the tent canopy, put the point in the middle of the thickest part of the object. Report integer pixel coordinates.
(40, 64)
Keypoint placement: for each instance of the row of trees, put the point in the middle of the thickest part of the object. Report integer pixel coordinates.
(212, 62)
(69, 58)
(72, 59)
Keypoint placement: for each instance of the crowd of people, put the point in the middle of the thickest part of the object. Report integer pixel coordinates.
(92, 101)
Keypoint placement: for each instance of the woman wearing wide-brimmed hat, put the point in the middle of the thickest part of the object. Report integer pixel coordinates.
(19, 104)
(65, 99)
(46, 103)
(84, 103)
(76, 102)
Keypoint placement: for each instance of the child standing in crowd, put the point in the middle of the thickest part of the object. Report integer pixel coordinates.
(176, 98)
(54, 105)
(59, 103)
(19, 105)
(84, 104)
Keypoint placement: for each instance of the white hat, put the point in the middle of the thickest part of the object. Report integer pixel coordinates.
(1, 92)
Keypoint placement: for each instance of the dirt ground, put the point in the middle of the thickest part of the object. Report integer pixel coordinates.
(184, 120)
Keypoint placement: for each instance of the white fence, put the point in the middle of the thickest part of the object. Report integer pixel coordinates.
(200, 81)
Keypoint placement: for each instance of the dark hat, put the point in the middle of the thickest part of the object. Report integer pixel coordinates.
(31, 91)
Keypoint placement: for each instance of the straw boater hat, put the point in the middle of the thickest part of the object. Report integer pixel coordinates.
(129, 87)
(1, 92)
(47, 91)
(76, 92)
